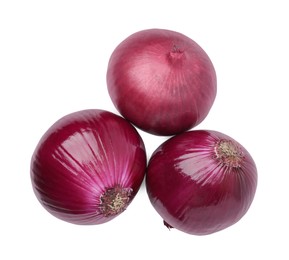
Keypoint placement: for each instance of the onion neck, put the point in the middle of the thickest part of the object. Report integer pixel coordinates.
(229, 153)
(176, 54)
(114, 200)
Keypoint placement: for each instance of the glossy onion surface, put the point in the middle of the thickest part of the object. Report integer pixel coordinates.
(201, 181)
(162, 81)
(88, 167)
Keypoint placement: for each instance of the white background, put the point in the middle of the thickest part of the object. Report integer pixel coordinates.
(53, 60)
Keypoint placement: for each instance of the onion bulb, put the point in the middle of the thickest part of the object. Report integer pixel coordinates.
(162, 81)
(201, 181)
(88, 166)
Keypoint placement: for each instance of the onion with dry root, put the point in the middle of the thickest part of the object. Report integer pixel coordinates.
(88, 166)
(201, 181)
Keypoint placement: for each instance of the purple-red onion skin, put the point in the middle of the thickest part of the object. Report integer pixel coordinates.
(196, 191)
(80, 157)
(162, 81)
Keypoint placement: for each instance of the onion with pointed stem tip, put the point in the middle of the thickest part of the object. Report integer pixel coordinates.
(201, 181)
(162, 81)
(88, 167)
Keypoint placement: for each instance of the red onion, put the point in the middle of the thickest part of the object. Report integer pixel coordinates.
(161, 81)
(88, 167)
(201, 181)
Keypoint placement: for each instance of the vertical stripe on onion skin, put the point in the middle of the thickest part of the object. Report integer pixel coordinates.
(88, 166)
(201, 181)
(162, 81)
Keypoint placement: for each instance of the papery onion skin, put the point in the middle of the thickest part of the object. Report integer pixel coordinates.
(162, 81)
(201, 181)
(88, 166)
